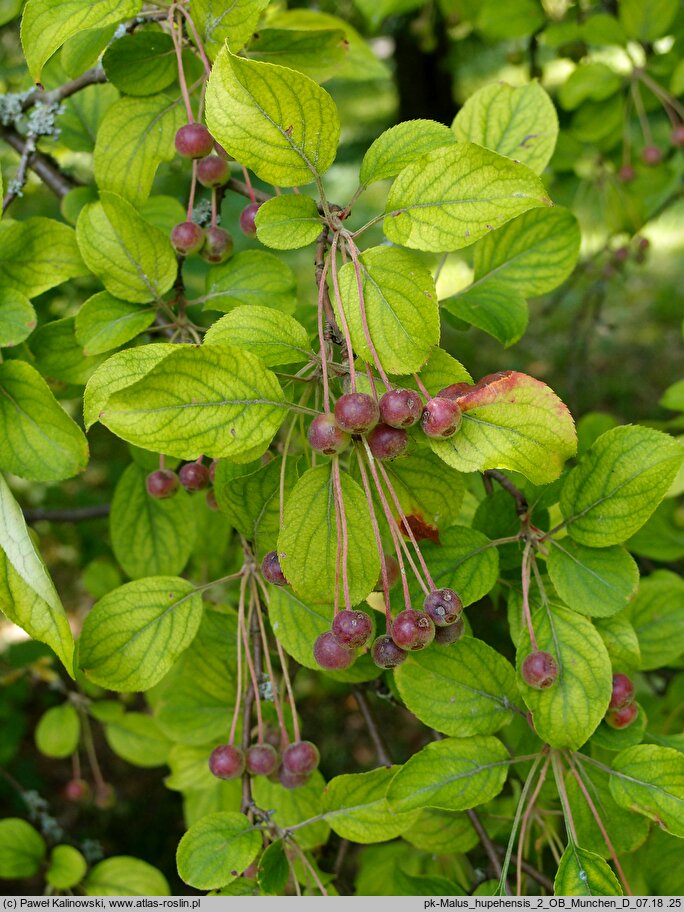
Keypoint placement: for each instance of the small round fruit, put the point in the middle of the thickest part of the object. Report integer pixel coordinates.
(621, 718)
(621, 254)
(292, 780)
(76, 790)
(412, 630)
(651, 155)
(445, 636)
(105, 796)
(677, 137)
(393, 573)
(325, 436)
(444, 606)
(162, 483)
(248, 220)
(330, 654)
(270, 567)
(261, 760)
(227, 762)
(539, 670)
(626, 174)
(193, 140)
(187, 238)
(218, 245)
(352, 628)
(194, 476)
(213, 171)
(387, 442)
(301, 758)
(400, 408)
(455, 390)
(356, 413)
(385, 652)
(623, 692)
(441, 417)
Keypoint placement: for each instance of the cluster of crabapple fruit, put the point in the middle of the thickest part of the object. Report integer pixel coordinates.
(383, 422)
(622, 710)
(212, 169)
(291, 767)
(193, 476)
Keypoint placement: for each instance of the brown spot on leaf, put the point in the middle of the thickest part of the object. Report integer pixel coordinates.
(420, 528)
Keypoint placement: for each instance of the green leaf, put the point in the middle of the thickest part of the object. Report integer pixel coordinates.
(441, 370)
(319, 53)
(297, 624)
(22, 849)
(164, 212)
(307, 544)
(219, 22)
(59, 356)
(649, 779)
(134, 260)
(620, 639)
(193, 703)
(453, 774)
(400, 146)
(274, 869)
(618, 484)
(275, 338)
(627, 831)
(137, 739)
(292, 806)
(511, 421)
(123, 875)
(216, 849)
(217, 400)
(647, 20)
(656, 614)
(17, 317)
(523, 17)
(134, 138)
(441, 832)
(38, 440)
(47, 24)
(469, 689)
(595, 582)
(465, 561)
(430, 492)
(58, 731)
(81, 118)
(142, 63)
(360, 63)
(400, 304)
(104, 322)
(121, 370)
(356, 808)
(531, 255)
(251, 277)
(590, 81)
(288, 222)
(519, 122)
(277, 122)
(150, 537)
(582, 873)
(27, 594)
(494, 307)
(567, 713)
(67, 867)
(673, 397)
(133, 636)
(451, 197)
(37, 254)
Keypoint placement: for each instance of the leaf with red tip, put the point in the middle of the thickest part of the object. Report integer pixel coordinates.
(511, 421)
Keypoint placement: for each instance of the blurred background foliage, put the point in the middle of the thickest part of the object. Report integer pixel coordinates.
(609, 341)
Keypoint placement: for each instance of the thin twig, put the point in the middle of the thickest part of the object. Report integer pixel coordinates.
(379, 744)
(42, 165)
(521, 505)
(529, 869)
(487, 843)
(78, 514)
